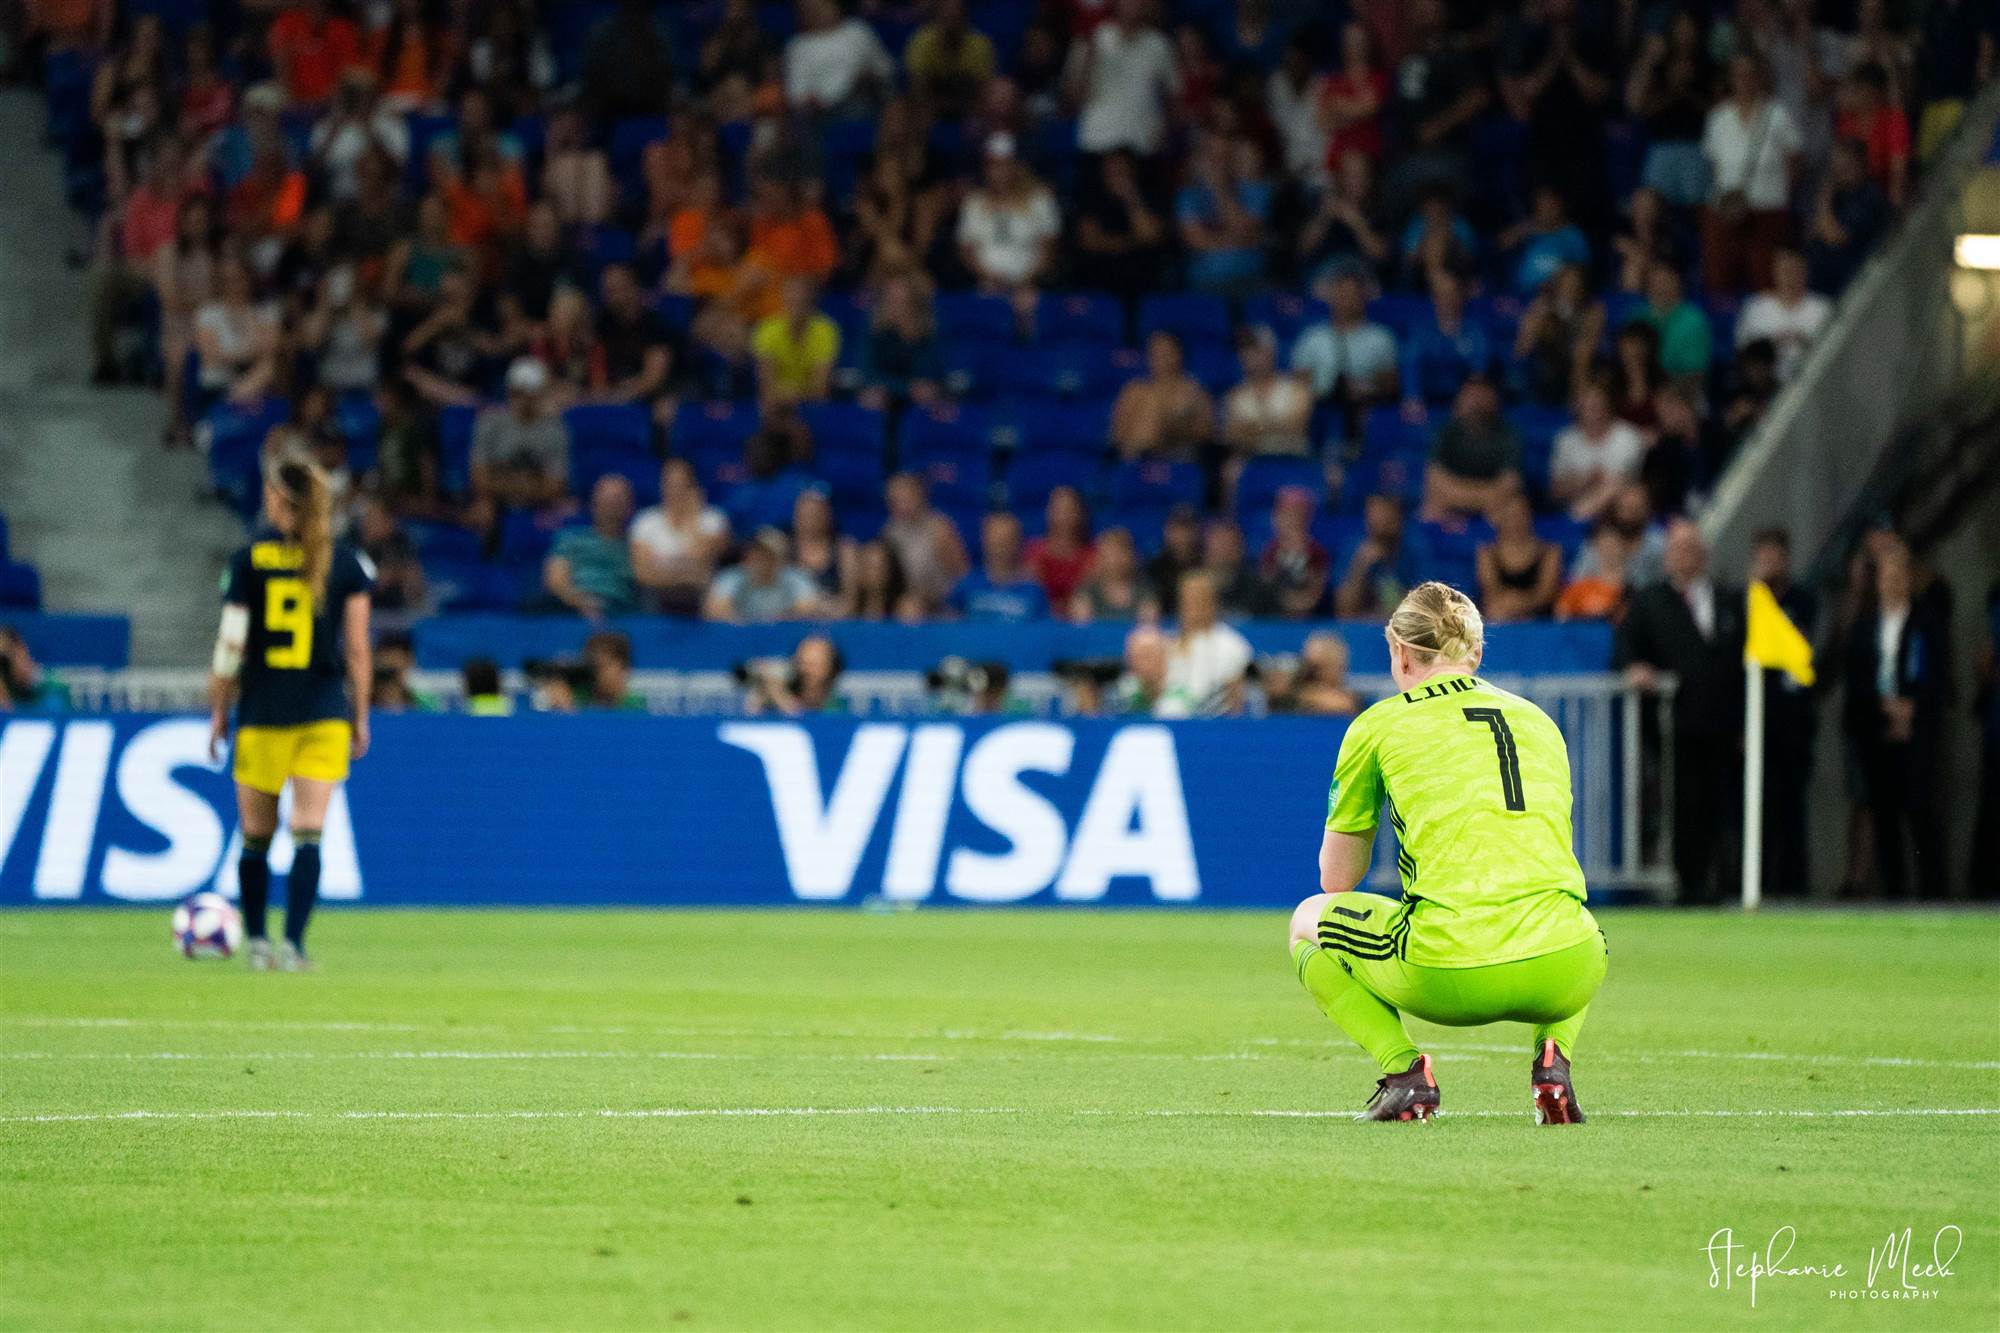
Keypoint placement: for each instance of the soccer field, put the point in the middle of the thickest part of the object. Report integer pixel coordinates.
(984, 1119)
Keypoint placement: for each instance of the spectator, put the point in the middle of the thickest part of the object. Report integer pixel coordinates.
(1180, 551)
(1348, 360)
(1002, 588)
(311, 47)
(1122, 76)
(1384, 566)
(1166, 414)
(507, 59)
(1452, 345)
(567, 343)
(343, 333)
(1558, 337)
(1634, 376)
(1344, 227)
(1668, 90)
(639, 351)
(733, 61)
(235, 337)
(1645, 237)
(419, 264)
(1121, 236)
(1238, 585)
(1752, 146)
(1436, 238)
(1223, 213)
(407, 463)
(628, 64)
(1679, 463)
(1686, 343)
(834, 65)
(820, 552)
(1317, 686)
(520, 449)
(1898, 669)
(1206, 659)
(1555, 78)
(1116, 589)
(185, 277)
(25, 687)
(1295, 565)
(789, 235)
(1440, 91)
(1475, 461)
(1753, 383)
(1267, 412)
(948, 60)
(1789, 315)
(1145, 689)
(1955, 57)
(1061, 558)
(809, 683)
(129, 99)
(1009, 225)
(410, 56)
(1594, 456)
(576, 176)
(880, 592)
(1543, 242)
(1352, 98)
(589, 569)
(927, 546)
(354, 128)
(127, 260)
(901, 359)
(1519, 573)
(480, 683)
(1295, 100)
(898, 214)
(450, 356)
(399, 574)
(796, 350)
(765, 586)
(1852, 214)
(677, 543)
(1693, 628)
(607, 659)
(258, 134)
(1869, 118)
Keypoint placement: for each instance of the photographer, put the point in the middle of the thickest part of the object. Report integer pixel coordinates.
(1085, 681)
(972, 689)
(607, 661)
(807, 684)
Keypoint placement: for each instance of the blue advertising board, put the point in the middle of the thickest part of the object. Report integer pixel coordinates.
(610, 809)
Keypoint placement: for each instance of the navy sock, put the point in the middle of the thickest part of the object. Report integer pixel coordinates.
(301, 886)
(253, 884)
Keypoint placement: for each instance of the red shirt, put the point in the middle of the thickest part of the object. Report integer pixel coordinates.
(311, 56)
(1886, 131)
(1060, 575)
(1360, 136)
(148, 223)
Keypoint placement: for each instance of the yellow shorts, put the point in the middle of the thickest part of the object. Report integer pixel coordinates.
(266, 756)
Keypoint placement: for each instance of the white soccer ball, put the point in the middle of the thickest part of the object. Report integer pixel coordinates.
(207, 925)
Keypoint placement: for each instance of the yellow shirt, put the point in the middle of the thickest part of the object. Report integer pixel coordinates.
(791, 363)
(927, 57)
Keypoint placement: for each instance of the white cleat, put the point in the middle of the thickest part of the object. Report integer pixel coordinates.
(291, 958)
(258, 956)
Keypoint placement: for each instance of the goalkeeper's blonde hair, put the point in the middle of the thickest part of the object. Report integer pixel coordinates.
(1438, 623)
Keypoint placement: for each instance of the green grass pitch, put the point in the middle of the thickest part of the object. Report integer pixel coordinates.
(970, 1119)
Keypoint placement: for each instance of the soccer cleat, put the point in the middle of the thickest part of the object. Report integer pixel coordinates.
(1410, 1095)
(291, 958)
(1555, 1099)
(258, 955)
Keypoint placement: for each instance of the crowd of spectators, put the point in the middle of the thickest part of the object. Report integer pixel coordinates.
(1395, 289)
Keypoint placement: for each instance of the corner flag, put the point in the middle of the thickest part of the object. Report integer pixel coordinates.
(1772, 640)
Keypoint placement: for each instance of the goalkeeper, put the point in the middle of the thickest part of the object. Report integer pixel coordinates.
(1492, 926)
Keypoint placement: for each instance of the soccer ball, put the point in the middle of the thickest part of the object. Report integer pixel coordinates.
(207, 925)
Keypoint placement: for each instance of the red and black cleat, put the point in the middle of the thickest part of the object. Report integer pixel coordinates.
(1410, 1095)
(1555, 1099)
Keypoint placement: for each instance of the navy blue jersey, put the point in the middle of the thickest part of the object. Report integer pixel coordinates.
(294, 665)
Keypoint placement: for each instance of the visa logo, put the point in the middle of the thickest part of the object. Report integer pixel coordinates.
(118, 819)
(1134, 822)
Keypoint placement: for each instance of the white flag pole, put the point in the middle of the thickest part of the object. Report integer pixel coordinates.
(1753, 786)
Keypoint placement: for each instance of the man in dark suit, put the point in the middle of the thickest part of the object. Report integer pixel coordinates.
(1898, 668)
(1789, 724)
(1692, 628)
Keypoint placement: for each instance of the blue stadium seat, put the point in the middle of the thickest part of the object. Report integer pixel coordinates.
(441, 541)
(627, 145)
(1196, 318)
(1216, 367)
(1030, 478)
(844, 428)
(1041, 424)
(860, 522)
(949, 431)
(235, 435)
(764, 502)
(1056, 370)
(1400, 312)
(589, 463)
(1387, 431)
(20, 586)
(455, 448)
(1287, 313)
(853, 479)
(974, 317)
(3, 536)
(597, 248)
(1565, 532)
(524, 541)
(1146, 523)
(1258, 485)
(711, 429)
(622, 426)
(1081, 317)
(1155, 485)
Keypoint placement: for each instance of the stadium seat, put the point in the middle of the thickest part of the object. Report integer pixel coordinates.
(622, 426)
(441, 541)
(948, 431)
(524, 540)
(1041, 424)
(455, 447)
(975, 317)
(853, 479)
(764, 502)
(1195, 318)
(1400, 312)
(844, 428)
(1258, 485)
(1215, 367)
(1080, 317)
(1288, 314)
(589, 463)
(1155, 485)
(1030, 478)
(627, 145)
(235, 441)
(711, 429)
(20, 586)
(1147, 524)
(1055, 370)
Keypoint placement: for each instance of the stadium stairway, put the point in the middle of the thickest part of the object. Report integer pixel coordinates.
(113, 521)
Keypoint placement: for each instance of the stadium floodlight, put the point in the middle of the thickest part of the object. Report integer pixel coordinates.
(1978, 250)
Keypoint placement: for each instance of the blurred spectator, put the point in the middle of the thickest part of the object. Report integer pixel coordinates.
(1345, 226)
(820, 552)
(1898, 673)
(1121, 235)
(1180, 551)
(1009, 225)
(355, 127)
(1668, 90)
(1475, 460)
(1519, 573)
(1165, 414)
(576, 176)
(410, 55)
(135, 235)
(1679, 463)
(235, 337)
(396, 659)
(1955, 58)
(1317, 686)
(640, 354)
(1002, 587)
(1752, 385)
(450, 356)
(1235, 580)
(795, 349)
(1686, 342)
(185, 275)
(480, 678)
(903, 199)
(1352, 98)
(589, 569)
(389, 691)
(1122, 74)
(1435, 238)
(901, 359)
(554, 687)
(1294, 99)
(1206, 659)
(1555, 79)
(1295, 565)
(1559, 336)
(1145, 690)
(507, 58)
(1348, 360)
(399, 575)
(1223, 212)
(1692, 628)
(568, 345)
(1869, 118)
(677, 543)
(834, 65)
(520, 448)
(809, 683)
(418, 265)
(1645, 237)
(406, 456)
(927, 544)
(789, 235)
(1634, 376)
(344, 334)
(1627, 549)
(1384, 566)
(880, 592)
(310, 46)
(1268, 411)
(607, 656)
(24, 685)
(628, 64)
(1752, 145)
(1116, 588)
(1439, 92)
(948, 60)
(1594, 456)
(1543, 242)
(733, 60)
(764, 586)
(1851, 216)
(1788, 314)
(1061, 558)
(1440, 353)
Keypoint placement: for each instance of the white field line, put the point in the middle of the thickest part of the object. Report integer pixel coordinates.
(781, 1112)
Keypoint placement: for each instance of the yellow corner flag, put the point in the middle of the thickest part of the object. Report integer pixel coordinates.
(1772, 640)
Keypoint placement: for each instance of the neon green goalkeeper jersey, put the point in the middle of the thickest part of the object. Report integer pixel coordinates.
(1476, 784)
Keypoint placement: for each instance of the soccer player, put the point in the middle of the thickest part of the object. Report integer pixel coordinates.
(1492, 926)
(292, 652)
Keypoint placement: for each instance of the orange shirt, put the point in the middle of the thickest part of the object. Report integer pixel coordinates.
(686, 232)
(797, 247)
(478, 218)
(311, 57)
(411, 76)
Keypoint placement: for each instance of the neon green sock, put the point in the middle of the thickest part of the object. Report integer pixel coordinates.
(1564, 1033)
(1353, 1008)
